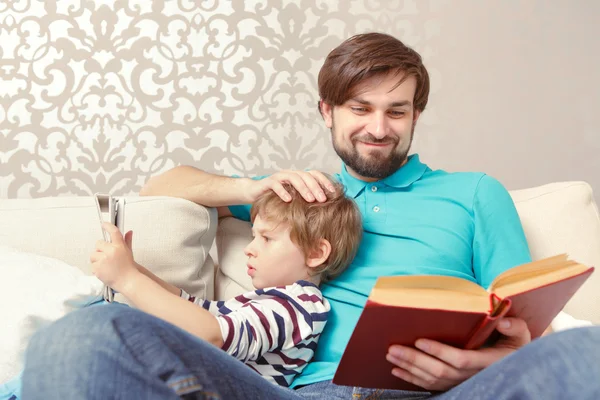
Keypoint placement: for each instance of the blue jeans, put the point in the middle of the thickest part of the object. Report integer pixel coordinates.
(116, 352)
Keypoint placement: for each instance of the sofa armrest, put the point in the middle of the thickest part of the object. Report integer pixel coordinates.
(562, 217)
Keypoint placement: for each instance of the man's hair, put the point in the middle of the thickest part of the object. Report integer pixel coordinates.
(365, 56)
(337, 220)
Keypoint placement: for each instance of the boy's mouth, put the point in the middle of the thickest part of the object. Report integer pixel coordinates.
(251, 270)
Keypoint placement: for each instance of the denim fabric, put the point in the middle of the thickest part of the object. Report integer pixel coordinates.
(116, 352)
(327, 390)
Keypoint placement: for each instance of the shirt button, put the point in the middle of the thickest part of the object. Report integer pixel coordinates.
(376, 208)
(373, 188)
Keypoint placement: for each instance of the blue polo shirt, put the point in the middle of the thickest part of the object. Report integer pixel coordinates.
(417, 221)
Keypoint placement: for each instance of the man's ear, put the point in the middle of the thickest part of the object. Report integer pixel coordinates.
(327, 113)
(416, 116)
(319, 254)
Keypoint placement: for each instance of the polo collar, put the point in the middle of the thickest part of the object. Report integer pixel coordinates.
(406, 175)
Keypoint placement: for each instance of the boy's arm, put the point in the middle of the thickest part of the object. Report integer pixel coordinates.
(113, 263)
(150, 296)
(167, 286)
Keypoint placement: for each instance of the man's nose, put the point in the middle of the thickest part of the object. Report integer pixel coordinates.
(378, 126)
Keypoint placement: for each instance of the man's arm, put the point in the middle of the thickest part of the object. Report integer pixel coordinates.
(201, 187)
(212, 190)
(499, 242)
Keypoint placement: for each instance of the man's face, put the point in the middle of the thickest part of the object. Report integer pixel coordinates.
(373, 131)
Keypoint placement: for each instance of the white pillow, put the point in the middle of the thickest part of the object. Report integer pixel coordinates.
(34, 291)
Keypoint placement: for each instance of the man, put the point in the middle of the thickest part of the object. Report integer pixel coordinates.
(373, 90)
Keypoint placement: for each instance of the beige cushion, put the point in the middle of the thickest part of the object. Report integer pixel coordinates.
(171, 237)
(557, 218)
(563, 218)
(232, 278)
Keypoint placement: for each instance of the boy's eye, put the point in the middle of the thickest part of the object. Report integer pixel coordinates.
(266, 239)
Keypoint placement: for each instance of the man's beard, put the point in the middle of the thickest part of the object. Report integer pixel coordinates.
(376, 165)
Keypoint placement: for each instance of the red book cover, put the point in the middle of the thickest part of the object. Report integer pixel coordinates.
(364, 364)
(539, 306)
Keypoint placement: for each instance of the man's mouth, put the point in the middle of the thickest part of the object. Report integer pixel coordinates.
(375, 144)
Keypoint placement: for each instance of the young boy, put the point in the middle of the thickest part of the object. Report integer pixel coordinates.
(275, 329)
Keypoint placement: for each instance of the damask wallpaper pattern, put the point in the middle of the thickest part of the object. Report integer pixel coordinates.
(100, 95)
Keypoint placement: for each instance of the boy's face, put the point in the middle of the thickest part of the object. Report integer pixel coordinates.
(372, 132)
(273, 259)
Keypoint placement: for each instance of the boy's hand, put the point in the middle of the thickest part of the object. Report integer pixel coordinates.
(439, 367)
(113, 262)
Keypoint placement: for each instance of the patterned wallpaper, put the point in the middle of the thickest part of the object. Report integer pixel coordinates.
(99, 95)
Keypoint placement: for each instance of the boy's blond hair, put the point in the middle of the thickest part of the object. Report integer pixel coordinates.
(337, 220)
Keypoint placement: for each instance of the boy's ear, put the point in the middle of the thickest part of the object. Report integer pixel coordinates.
(319, 254)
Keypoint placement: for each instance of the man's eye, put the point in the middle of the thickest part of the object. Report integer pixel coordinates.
(359, 109)
(397, 113)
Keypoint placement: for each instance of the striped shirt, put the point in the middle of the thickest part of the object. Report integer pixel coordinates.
(273, 330)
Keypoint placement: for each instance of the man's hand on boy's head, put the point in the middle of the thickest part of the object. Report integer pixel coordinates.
(307, 183)
(113, 262)
(438, 367)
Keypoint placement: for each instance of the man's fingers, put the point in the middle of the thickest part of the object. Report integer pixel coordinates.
(309, 184)
(457, 358)
(410, 368)
(437, 366)
(278, 188)
(432, 366)
(424, 370)
(516, 332)
(293, 179)
(314, 185)
(408, 377)
(323, 179)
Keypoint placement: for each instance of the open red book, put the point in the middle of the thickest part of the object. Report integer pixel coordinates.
(402, 309)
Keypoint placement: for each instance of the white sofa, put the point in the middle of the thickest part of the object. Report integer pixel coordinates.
(174, 237)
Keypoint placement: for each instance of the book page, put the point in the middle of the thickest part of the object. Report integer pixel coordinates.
(535, 274)
(434, 292)
(532, 281)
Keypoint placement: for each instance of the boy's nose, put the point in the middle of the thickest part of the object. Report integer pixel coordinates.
(248, 251)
